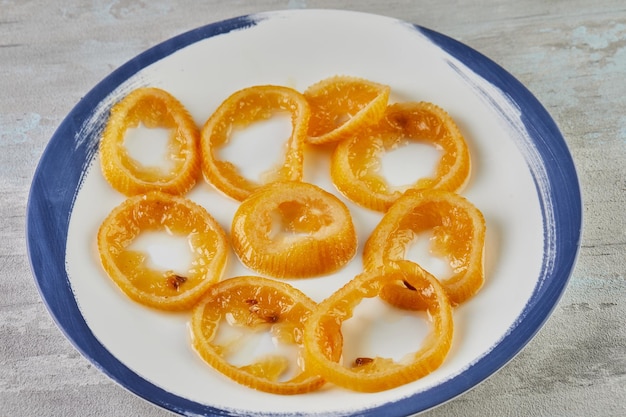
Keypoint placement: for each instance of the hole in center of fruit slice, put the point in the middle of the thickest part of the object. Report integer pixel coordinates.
(258, 348)
(408, 162)
(379, 329)
(165, 252)
(258, 149)
(420, 251)
(150, 148)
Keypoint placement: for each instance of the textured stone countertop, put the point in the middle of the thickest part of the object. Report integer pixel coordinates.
(571, 54)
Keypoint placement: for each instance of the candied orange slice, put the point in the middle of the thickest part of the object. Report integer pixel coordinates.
(293, 230)
(178, 216)
(356, 162)
(154, 108)
(238, 111)
(458, 233)
(404, 295)
(255, 304)
(323, 339)
(342, 105)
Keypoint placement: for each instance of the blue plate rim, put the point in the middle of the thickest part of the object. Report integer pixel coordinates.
(50, 203)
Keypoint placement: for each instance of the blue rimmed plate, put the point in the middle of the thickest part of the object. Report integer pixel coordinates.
(523, 180)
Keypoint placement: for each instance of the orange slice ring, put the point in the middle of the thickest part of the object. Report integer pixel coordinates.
(458, 233)
(324, 341)
(342, 105)
(293, 230)
(154, 108)
(178, 216)
(255, 304)
(355, 163)
(402, 294)
(240, 110)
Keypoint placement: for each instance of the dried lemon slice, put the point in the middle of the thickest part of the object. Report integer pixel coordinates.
(177, 216)
(293, 230)
(154, 108)
(342, 105)
(240, 110)
(255, 304)
(323, 339)
(356, 162)
(458, 233)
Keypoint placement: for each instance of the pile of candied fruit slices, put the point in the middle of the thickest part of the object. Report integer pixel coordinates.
(354, 116)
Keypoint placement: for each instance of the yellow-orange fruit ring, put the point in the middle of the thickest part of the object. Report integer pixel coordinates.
(458, 234)
(293, 230)
(402, 294)
(356, 162)
(343, 105)
(154, 108)
(178, 216)
(255, 304)
(238, 111)
(323, 339)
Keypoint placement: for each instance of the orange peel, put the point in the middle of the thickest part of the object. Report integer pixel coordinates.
(458, 233)
(162, 289)
(256, 304)
(343, 105)
(239, 110)
(323, 339)
(356, 162)
(153, 108)
(293, 230)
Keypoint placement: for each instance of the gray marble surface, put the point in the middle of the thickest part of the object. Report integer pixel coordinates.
(570, 53)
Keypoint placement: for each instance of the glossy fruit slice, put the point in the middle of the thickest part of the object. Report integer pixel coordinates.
(356, 162)
(293, 230)
(324, 341)
(156, 211)
(458, 234)
(342, 105)
(154, 108)
(255, 304)
(404, 295)
(238, 111)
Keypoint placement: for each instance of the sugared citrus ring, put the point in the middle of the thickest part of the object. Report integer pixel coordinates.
(293, 230)
(156, 211)
(323, 339)
(255, 304)
(240, 110)
(356, 162)
(154, 108)
(402, 294)
(458, 233)
(342, 105)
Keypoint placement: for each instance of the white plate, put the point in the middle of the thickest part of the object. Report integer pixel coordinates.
(523, 180)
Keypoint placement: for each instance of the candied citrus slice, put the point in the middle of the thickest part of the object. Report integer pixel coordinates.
(356, 162)
(293, 230)
(342, 105)
(238, 111)
(255, 304)
(404, 295)
(323, 339)
(154, 108)
(178, 216)
(458, 233)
